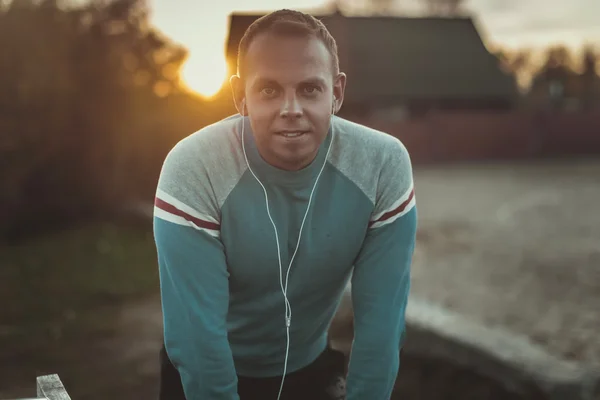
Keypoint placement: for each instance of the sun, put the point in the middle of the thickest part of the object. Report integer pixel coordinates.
(205, 74)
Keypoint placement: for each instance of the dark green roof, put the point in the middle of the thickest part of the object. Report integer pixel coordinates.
(399, 58)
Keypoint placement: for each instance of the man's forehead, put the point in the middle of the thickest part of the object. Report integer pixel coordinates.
(291, 52)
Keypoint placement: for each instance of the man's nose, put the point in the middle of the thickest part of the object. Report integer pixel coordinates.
(291, 107)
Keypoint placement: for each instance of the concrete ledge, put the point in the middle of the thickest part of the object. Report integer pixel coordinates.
(51, 387)
(508, 358)
(513, 360)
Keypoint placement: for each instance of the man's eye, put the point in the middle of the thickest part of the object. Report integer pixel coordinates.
(311, 89)
(269, 91)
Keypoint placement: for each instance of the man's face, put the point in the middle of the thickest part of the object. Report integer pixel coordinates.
(289, 88)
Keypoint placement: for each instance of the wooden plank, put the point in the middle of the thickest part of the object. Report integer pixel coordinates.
(51, 387)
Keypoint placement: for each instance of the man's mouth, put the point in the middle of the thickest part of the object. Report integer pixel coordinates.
(292, 134)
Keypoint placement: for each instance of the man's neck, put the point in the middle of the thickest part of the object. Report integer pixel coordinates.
(288, 165)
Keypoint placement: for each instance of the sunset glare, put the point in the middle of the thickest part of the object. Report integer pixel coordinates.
(205, 74)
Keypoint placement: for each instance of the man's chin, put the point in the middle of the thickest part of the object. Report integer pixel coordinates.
(295, 159)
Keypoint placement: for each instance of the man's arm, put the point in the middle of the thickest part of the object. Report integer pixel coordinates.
(381, 283)
(194, 282)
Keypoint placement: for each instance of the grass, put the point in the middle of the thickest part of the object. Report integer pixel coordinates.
(59, 294)
(64, 284)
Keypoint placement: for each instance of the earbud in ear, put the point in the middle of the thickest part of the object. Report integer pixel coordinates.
(243, 108)
(333, 105)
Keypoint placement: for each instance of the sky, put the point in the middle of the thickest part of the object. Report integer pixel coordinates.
(201, 26)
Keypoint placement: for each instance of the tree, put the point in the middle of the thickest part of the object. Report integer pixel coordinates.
(517, 63)
(590, 78)
(558, 65)
(83, 91)
(556, 83)
(590, 60)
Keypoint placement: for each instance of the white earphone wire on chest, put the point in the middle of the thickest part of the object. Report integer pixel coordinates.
(284, 282)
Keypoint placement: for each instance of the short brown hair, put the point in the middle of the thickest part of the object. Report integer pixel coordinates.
(290, 23)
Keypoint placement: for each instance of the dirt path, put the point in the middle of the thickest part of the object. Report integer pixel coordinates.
(516, 246)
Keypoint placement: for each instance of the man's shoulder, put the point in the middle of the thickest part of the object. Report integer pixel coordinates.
(362, 140)
(368, 157)
(364, 149)
(206, 164)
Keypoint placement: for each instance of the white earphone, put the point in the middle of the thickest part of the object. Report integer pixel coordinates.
(284, 284)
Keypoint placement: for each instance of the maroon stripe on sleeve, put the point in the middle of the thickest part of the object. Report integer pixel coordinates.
(395, 211)
(163, 205)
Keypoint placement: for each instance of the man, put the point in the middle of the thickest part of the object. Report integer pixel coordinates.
(263, 218)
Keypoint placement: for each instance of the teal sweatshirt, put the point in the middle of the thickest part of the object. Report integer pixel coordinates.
(222, 303)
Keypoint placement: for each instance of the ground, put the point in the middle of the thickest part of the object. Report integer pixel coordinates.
(511, 245)
(517, 246)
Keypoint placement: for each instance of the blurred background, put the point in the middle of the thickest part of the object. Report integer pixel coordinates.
(498, 102)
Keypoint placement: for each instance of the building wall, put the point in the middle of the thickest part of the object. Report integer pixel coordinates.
(459, 137)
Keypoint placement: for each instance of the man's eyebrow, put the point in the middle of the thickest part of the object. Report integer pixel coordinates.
(264, 81)
(314, 81)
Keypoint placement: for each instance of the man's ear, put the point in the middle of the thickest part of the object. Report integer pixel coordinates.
(339, 87)
(238, 93)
